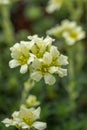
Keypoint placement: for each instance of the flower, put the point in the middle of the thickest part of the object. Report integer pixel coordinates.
(73, 36)
(26, 119)
(32, 101)
(40, 45)
(69, 31)
(49, 65)
(54, 5)
(4, 1)
(21, 56)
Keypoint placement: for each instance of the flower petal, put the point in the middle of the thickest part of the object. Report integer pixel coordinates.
(36, 64)
(15, 114)
(31, 58)
(15, 46)
(36, 76)
(54, 51)
(63, 60)
(47, 58)
(48, 40)
(62, 72)
(23, 69)
(39, 125)
(37, 113)
(13, 63)
(53, 69)
(24, 125)
(7, 122)
(49, 79)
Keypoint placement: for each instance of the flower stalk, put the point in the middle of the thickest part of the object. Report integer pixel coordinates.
(28, 85)
(72, 77)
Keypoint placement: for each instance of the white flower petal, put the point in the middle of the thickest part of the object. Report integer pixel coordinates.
(31, 58)
(15, 114)
(36, 76)
(53, 69)
(23, 69)
(47, 58)
(36, 64)
(13, 63)
(54, 51)
(63, 60)
(7, 122)
(15, 47)
(49, 79)
(37, 113)
(39, 125)
(48, 40)
(24, 125)
(62, 72)
(81, 35)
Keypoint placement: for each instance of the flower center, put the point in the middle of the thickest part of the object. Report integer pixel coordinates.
(29, 118)
(44, 69)
(38, 50)
(74, 35)
(23, 56)
(23, 59)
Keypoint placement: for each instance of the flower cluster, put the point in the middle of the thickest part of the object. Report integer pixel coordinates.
(26, 119)
(69, 31)
(54, 5)
(40, 57)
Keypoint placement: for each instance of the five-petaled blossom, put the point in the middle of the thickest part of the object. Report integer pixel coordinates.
(26, 119)
(54, 5)
(21, 56)
(69, 31)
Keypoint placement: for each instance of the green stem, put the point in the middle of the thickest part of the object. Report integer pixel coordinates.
(7, 25)
(70, 51)
(72, 78)
(70, 6)
(27, 87)
(79, 57)
(51, 92)
(75, 13)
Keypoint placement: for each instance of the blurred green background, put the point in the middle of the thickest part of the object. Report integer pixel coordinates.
(27, 17)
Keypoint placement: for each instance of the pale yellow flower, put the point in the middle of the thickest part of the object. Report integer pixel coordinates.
(21, 56)
(29, 84)
(73, 36)
(54, 5)
(4, 1)
(25, 119)
(50, 64)
(40, 45)
(32, 101)
(68, 30)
